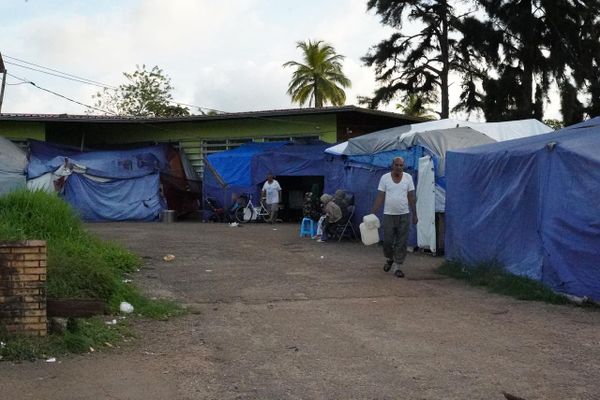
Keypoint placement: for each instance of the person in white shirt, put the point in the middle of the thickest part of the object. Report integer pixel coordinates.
(397, 192)
(271, 191)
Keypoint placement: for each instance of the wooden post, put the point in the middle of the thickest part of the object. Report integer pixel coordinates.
(3, 72)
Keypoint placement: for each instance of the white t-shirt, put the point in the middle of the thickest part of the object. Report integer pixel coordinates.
(272, 189)
(396, 199)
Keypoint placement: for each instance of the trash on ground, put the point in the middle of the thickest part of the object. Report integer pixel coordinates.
(209, 270)
(322, 256)
(51, 360)
(169, 257)
(233, 224)
(126, 307)
(127, 280)
(113, 322)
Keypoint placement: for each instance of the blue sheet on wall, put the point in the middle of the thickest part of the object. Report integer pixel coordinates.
(532, 205)
(114, 164)
(130, 187)
(118, 200)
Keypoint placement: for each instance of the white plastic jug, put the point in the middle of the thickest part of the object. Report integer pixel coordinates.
(371, 221)
(369, 234)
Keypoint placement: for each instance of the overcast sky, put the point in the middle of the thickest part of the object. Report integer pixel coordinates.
(220, 54)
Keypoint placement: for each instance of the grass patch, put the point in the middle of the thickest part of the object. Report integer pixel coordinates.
(79, 266)
(496, 280)
(81, 335)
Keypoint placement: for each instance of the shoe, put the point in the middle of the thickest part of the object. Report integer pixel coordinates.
(321, 241)
(315, 237)
(388, 265)
(397, 272)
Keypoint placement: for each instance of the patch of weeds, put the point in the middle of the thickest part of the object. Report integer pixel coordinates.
(81, 336)
(492, 276)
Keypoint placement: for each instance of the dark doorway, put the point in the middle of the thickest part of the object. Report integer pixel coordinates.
(294, 188)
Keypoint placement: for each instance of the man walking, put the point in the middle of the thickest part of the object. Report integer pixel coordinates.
(397, 192)
(271, 191)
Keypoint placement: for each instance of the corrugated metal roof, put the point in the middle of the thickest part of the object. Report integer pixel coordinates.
(195, 118)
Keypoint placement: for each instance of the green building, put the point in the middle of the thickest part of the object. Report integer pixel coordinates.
(200, 135)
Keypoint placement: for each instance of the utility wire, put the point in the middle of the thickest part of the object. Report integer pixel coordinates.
(75, 78)
(60, 95)
(60, 72)
(87, 81)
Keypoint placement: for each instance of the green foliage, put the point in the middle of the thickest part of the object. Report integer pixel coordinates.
(417, 106)
(79, 266)
(554, 124)
(521, 49)
(81, 336)
(417, 63)
(492, 276)
(146, 94)
(320, 79)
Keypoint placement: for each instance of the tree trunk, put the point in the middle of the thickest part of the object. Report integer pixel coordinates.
(527, 59)
(445, 61)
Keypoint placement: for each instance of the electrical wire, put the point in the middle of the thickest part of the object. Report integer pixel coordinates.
(75, 78)
(60, 95)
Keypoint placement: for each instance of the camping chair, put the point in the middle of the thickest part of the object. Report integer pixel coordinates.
(344, 227)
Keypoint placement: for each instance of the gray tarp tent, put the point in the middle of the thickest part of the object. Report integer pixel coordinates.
(13, 162)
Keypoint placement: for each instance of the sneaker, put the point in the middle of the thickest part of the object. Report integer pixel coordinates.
(315, 237)
(388, 265)
(397, 271)
(321, 240)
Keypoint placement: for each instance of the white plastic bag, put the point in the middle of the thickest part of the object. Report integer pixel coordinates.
(126, 308)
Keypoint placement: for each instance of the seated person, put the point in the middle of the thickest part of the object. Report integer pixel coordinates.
(331, 214)
(343, 200)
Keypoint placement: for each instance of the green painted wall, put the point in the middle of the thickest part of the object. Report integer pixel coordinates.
(22, 130)
(322, 125)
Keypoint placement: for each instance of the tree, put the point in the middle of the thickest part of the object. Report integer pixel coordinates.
(146, 94)
(417, 106)
(524, 47)
(418, 63)
(319, 79)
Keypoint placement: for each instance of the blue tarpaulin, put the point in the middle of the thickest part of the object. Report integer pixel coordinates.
(106, 185)
(532, 205)
(244, 169)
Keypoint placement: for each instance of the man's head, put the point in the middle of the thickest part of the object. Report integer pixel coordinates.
(270, 178)
(398, 165)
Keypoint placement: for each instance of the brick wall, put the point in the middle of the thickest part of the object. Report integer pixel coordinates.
(23, 287)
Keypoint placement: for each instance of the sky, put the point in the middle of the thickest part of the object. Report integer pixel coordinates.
(225, 55)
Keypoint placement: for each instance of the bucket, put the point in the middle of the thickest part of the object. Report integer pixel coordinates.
(167, 216)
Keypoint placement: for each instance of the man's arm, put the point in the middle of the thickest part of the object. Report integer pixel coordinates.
(378, 201)
(412, 202)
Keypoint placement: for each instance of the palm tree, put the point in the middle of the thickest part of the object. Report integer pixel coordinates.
(416, 105)
(320, 79)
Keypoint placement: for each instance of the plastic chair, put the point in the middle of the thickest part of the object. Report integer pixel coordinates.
(307, 227)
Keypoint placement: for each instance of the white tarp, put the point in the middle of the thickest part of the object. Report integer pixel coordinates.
(426, 194)
(396, 138)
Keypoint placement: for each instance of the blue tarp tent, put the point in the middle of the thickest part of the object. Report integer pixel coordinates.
(244, 169)
(531, 204)
(102, 185)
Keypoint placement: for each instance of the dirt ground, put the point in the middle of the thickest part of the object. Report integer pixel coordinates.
(276, 316)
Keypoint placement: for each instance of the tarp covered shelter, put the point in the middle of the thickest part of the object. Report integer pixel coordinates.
(395, 138)
(423, 146)
(532, 205)
(102, 185)
(245, 168)
(13, 163)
